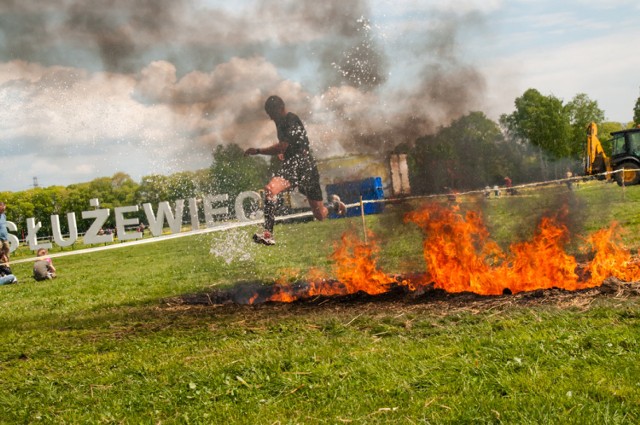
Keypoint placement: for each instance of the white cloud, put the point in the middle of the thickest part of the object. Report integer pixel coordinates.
(68, 124)
(600, 67)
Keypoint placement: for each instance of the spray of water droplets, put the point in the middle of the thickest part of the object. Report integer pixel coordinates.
(232, 246)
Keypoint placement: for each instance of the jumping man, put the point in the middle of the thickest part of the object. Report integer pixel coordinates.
(298, 167)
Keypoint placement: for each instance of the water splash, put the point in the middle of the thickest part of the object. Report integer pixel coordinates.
(233, 246)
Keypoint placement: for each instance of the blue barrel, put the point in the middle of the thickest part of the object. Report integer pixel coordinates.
(351, 191)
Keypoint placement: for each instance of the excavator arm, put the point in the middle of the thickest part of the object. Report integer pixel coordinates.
(596, 160)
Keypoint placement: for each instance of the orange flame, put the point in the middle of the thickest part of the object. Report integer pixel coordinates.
(356, 265)
(610, 258)
(457, 250)
(461, 257)
(316, 285)
(542, 262)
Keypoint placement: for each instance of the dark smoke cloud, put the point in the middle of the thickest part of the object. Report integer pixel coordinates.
(363, 114)
(444, 89)
(327, 17)
(126, 35)
(347, 41)
(121, 30)
(116, 35)
(214, 69)
(362, 65)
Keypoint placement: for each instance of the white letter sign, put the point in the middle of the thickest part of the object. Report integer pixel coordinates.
(164, 210)
(121, 222)
(57, 233)
(92, 236)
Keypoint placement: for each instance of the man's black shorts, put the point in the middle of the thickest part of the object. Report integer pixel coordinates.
(302, 172)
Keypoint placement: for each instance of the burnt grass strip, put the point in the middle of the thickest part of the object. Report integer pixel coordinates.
(260, 294)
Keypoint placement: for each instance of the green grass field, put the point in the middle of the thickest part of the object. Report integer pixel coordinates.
(106, 342)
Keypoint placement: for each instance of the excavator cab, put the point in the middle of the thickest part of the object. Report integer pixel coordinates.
(625, 156)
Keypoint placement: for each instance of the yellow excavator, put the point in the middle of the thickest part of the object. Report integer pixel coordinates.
(625, 156)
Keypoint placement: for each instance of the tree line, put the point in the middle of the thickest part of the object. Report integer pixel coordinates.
(541, 139)
(230, 173)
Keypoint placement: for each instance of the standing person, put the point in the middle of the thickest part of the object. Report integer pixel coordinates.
(5, 247)
(508, 183)
(569, 181)
(298, 167)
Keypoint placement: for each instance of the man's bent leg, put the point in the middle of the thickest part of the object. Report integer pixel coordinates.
(269, 214)
(272, 189)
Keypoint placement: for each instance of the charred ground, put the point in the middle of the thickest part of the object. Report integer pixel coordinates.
(427, 300)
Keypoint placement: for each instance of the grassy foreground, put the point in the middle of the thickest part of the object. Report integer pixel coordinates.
(103, 344)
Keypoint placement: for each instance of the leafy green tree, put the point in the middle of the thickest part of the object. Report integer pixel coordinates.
(44, 201)
(430, 165)
(544, 122)
(77, 200)
(581, 111)
(232, 172)
(153, 189)
(469, 154)
(182, 185)
(20, 208)
(636, 112)
(39, 203)
(203, 181)
(101, 188)
(118, 190)
(124, 190)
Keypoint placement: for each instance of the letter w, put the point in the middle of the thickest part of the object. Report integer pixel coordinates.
(164, 211)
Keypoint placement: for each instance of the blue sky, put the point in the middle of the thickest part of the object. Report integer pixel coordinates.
(560, 48)
(91, 88)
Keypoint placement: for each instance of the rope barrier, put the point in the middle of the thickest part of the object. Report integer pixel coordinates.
(483, 191)
(360, 203)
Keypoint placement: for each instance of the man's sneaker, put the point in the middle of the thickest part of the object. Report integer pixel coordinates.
(264, 237)
(335, 206)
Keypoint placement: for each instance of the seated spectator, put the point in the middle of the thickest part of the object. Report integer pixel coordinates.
(6, 277)
(43, 268)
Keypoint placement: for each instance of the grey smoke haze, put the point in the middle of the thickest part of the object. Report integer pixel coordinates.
(186, 76)
(358, 109)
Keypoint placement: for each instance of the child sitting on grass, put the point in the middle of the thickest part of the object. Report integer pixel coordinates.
(6, 276)
(43, 267)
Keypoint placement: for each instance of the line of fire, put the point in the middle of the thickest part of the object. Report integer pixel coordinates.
(460, 255)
